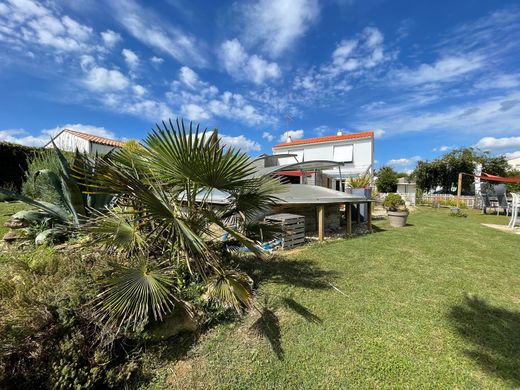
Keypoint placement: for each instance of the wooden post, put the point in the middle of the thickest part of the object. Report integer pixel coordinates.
(459, 189)
(321, 222)
(369, 216)
(348, 218)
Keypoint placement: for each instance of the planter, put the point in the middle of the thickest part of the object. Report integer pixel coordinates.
(397, 218)
(364, 192)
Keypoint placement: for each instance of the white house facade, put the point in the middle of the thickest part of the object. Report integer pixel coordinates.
(72, 140)
(354, 152)
(514, 163)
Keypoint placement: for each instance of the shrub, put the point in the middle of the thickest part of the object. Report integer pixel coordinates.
(394, 202)
(14, 163)
(362, 181)
(39, 186)
(386, 180)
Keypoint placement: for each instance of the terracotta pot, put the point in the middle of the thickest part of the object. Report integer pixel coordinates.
(397, 218)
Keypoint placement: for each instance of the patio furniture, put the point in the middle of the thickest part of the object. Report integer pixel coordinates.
(514, 210)
(486, 203)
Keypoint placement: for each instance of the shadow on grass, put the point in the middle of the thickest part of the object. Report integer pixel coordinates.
(268, 326)
(493, 333)
(301, 310)
(300, 273)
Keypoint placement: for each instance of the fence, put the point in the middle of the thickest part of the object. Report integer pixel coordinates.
(468, 200)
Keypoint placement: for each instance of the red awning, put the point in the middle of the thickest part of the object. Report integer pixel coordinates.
(488, 177)
(294, 173)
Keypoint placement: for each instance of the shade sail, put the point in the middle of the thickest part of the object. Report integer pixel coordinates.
(501, 179)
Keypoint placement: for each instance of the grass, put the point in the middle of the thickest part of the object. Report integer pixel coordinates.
(433, 305)
(6, 210)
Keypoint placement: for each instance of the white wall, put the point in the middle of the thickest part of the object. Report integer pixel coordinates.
(100, 149)
(514, 163)
(356, 159)
(69, 142)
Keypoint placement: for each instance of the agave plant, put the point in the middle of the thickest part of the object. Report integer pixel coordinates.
(163, 196)
(76, 203)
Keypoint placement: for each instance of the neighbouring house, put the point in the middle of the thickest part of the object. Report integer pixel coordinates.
(407, 190)
(72, 140)
(514, 163)
(353, 154)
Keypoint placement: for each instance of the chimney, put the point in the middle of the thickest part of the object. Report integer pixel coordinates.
(289, 139)
(340, 132)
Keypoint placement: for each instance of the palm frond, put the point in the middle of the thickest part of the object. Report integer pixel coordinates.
(133, 295)
(231, 289)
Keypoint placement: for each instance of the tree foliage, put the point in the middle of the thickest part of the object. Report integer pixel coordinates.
(387, 179)
(444, 171)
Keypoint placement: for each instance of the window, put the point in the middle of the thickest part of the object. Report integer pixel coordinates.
(343, 153)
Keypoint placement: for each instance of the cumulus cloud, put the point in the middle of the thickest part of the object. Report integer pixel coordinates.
(242, 66)
(199, 100)
(294, 134)
(131, 59)
(443, 148)
(240, 142)
(267, 136)
(33, 23)
(157, 60)
(277, 24)
(511, 155)
(492, 143)
(103, 79)
(404, 162)
(111, 38)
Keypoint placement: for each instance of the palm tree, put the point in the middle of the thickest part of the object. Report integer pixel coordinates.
(164, 218)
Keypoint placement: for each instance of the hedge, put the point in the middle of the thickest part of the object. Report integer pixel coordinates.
(13, 163)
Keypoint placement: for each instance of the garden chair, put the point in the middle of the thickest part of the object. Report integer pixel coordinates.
(486, 203)
(500, 192)
(514, 210)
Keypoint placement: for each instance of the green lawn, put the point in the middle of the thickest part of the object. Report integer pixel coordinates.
(432, 305)
(6, 210)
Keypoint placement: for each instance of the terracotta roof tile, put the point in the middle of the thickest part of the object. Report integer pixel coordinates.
(364, 134)
(95, 138)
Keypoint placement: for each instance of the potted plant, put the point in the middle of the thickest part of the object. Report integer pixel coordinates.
(396, 210)
(360, 186)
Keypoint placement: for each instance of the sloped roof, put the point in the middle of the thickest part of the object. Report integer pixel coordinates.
(94, 138)
(364, 134)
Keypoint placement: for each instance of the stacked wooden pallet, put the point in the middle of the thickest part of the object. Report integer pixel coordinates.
(293, 228)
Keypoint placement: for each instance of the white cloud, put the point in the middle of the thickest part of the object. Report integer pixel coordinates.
(404, 163)
(194, 112)
(152, 30)
(443, 148)
(445, 69)
(189, 78)
(23, 137)
(240, 142)
(364, 51)
(492, 143)
(110, 38)
(378, 133)
(131, 59)
(241, 66)
(102, 79)
(157, 60)
(267, 136)
(502, 81)
(294, 134)
(199, 100)
(277, 24)
(29, 23)
(512, 155)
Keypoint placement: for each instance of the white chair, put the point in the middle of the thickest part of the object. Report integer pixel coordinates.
(514, 210)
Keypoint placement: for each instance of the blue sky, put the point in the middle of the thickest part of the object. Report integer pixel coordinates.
(426, 76)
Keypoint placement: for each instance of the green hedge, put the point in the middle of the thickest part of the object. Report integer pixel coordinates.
(13, 161)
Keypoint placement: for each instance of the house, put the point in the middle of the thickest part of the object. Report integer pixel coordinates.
(407, 189)
(514, 163)
(353, 154)
(70, 140)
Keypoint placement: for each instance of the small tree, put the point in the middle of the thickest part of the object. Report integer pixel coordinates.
(444, 171)
(387, 180)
